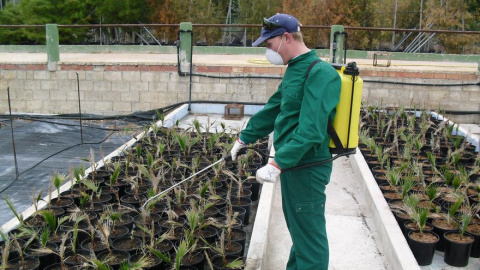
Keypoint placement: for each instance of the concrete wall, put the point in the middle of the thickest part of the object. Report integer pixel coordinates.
(119, 89)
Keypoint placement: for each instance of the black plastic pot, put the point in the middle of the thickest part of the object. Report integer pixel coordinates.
(423, 251)
(130, 245)
(255, 189)
(457, 254)
(81, 256)
(475, 252)
(197, 260)
(98, 248)
(31, 263)
(441, 233)
(155, 261)
(119, 255)
(218, 264)
(58, 266)
(408, 229)
(119, 231)
(45, 258)
(232, 249)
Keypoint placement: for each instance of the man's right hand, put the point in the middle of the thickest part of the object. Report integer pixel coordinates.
(239, 145)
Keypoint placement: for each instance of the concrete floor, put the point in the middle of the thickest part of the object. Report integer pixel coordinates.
(351, 240)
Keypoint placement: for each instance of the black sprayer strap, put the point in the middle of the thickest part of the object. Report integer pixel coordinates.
(333, 135)
(330, 129)
(311, 66)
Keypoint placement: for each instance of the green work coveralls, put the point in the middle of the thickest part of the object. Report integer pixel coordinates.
(298, 114)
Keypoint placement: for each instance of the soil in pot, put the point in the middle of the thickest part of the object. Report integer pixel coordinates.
(457, 248)
(102, 199)
(196, 260)
(81, 256)
(165, 223)
(208, 233)
(133, 199)
(128, 244)
(29, 263)
(423, 246)
(146, 221)
(35, 221)
(232, 248)
(119, 231)
(63, 202)
(139, 233)
(115, 258)
(97, 246)
(58, 266)
(166, 246)
(440, 227)
(412, 226)
(220, 264)
(241, 212)
(238, 235)
(93, 207)
(154, 261)
(392, 196)
(126, 220)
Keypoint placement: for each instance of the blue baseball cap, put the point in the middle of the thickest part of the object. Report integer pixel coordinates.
(277, 25)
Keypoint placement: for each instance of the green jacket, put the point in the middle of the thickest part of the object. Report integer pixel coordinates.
(298, 113)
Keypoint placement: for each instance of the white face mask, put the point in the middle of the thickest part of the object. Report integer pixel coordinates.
(273, 56)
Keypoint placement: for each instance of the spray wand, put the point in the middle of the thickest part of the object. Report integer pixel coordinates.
(226, 158)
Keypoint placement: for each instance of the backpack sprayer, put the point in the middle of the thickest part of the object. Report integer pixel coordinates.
(343, 130)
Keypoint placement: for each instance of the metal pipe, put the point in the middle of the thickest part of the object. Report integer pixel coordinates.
(13, 137)
(79, 109)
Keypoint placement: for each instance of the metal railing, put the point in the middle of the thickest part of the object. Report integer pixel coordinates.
(315, 36)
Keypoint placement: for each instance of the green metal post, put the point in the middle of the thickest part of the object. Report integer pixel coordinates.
(336, 44)
(185, 52)
(53, 51)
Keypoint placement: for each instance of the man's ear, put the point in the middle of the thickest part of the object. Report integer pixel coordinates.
(288, 37)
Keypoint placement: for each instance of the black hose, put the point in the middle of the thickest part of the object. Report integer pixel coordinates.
(423, 84)
(369, 81)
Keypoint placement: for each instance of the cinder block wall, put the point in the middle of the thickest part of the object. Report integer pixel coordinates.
(126, 88)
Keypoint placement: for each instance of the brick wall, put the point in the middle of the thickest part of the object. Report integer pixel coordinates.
(126, 88)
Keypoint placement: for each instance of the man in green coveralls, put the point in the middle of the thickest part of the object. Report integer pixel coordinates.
(298, 114)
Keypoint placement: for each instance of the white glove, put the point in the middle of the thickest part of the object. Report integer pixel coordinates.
(268, 173)
(237, 147)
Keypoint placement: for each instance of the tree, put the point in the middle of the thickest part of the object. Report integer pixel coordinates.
(454, 15)
(39, 12)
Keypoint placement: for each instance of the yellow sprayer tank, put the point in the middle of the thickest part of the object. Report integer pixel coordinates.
(346, 122)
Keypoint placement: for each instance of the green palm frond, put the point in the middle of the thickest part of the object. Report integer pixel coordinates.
(14, 210)
(50, 219)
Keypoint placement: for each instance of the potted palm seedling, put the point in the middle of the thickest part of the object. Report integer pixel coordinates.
(458, 243)
(421, 242)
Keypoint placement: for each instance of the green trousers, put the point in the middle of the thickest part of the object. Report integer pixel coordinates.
(303, 203)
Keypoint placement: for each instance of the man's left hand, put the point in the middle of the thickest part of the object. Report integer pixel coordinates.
(268, 173)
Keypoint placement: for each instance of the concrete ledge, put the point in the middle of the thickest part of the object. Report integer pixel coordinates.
(257, 251)
(258, 242)
(391, 237)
